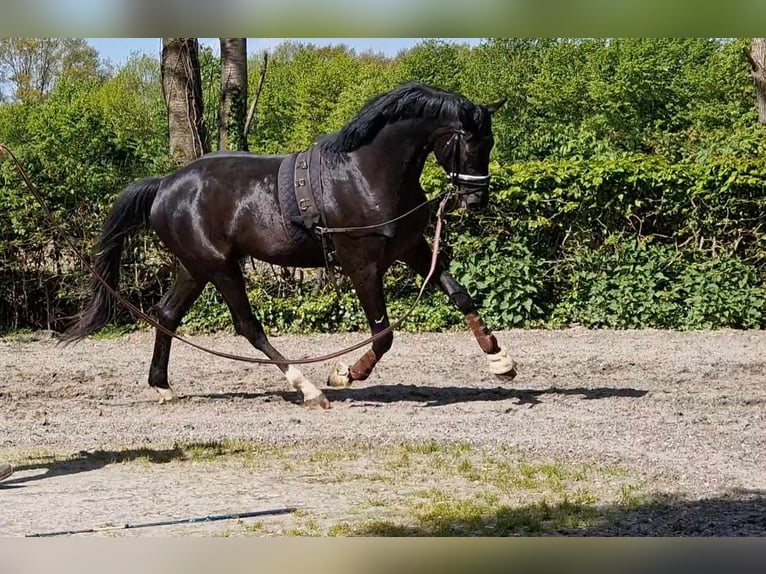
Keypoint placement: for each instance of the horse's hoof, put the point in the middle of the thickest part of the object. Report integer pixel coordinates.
(502, 365)
(166, 394)
(339, 377)
(320, 401)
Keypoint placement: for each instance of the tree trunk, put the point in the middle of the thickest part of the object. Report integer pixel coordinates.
(231, 130)
(757, 60)
(182, 89)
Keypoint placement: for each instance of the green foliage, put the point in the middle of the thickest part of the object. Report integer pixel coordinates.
(299, 312)
(722, 291)
(308, 309)
(628, 182)
(303, 88)
(434, 62)
(210, 72)
(626, 286)
(80, 146)
(30, 67)
(631, 285)
(503, 277)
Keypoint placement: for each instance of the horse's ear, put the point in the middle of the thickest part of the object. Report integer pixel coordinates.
(492, 108)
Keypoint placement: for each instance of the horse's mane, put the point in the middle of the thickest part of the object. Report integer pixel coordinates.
(408, 101)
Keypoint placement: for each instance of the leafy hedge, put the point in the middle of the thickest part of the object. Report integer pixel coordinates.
(628, 184)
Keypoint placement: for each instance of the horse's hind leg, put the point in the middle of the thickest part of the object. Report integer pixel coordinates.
(419, 259)
(231, 284)
(171, 309)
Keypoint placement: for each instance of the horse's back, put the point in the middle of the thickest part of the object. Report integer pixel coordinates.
(223, 173)
(224, 202)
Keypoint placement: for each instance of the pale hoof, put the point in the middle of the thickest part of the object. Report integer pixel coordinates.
(166, 395)
(502, 365)
(320, 401)
(339, 377)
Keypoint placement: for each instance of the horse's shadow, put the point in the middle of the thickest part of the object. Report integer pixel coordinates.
(86, 461)
(437, 396)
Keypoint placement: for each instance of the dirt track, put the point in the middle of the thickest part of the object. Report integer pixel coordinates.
(682, 413)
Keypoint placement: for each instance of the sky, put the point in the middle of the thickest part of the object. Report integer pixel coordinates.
(119, 49)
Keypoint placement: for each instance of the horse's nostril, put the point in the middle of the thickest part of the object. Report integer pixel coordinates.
(473, 201)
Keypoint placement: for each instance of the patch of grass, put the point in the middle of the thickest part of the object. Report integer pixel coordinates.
(553, 472)
(383, 528)
(21, 336)
(382, 478)
(505, 476)
(308, 528)
(482, 516)
(373, 502)
(459, 518)
(433, 494)
(489, 498)
(339, 477)
(440, 462)
(509, 475)
(615, 471)
(428, 447)
(326, 456)
(250, 451)
(340, 529)
(255, 527)
(581, 472)
(583, 496)
(467, 470)
(400, 464)
(305, 524)
(630, 496)
(459, 448)
(420, 488)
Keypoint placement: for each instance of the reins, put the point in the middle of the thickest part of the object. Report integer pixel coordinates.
(326, 230)
(445, 196)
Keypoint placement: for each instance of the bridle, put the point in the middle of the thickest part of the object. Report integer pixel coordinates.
(464, 182)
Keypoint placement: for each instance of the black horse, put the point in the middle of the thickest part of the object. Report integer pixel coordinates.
(225, 206)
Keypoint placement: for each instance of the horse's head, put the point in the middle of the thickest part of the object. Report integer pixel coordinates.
(463, 151)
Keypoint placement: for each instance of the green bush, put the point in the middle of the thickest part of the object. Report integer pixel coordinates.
(630, 285)
(626, 286)
(722, 291)
(504, 279)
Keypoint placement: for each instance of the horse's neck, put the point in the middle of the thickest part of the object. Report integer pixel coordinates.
(407, 144)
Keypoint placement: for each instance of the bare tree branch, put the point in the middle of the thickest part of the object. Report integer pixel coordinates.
(251, 112)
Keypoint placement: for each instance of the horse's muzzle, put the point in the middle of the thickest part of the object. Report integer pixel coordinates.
(473, 189)
(474, 201)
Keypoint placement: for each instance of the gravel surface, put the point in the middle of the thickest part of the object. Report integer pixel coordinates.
(684, 411)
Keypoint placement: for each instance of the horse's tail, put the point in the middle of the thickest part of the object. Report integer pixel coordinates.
(129, 214)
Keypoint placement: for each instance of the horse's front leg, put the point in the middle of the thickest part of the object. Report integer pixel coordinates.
(368, 284)
(419, 259)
